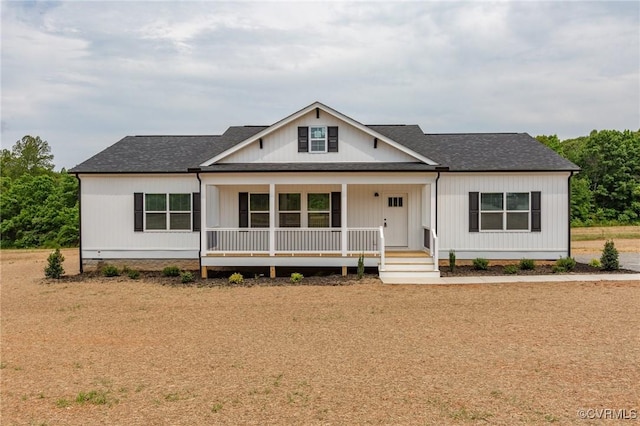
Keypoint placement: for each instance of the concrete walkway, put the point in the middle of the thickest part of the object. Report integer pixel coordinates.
(525, 279)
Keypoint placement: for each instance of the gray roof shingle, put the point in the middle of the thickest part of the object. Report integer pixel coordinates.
(457, 152)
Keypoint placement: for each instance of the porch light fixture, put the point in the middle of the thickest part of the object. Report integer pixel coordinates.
(375, 194)
(260, 143)
(375, 143)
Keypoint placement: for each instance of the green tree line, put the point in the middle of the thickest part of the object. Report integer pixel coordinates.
(38, 206)
(607, 190)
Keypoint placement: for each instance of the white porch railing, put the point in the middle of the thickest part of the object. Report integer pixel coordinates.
(238, 240)
(293, 240)
(431, 243)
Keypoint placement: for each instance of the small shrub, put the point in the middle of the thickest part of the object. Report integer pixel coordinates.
(480, 264)
(566, 264)
(236, 278)
(557, 269)
(186, 277)
(527, 264)
(361, 266)
(452, 260)
(296, 277)
(609, 258)
(595, 263)
(171, 271)
(132, 273)
(110, 271)
(54, 267)
(510, 269)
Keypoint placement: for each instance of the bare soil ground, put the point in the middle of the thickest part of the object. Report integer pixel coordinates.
(125, 352)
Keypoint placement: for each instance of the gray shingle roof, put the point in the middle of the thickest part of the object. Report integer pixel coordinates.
(494, 152)
(458, 152)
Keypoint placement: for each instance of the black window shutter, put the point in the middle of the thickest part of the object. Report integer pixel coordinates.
(138, 212)
(195, 213)
(336, 212)
(536, 225)
(243, 212)
(303, 139)
(474, 212)
(333, 139)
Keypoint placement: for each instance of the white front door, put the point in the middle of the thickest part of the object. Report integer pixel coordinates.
(395, 220)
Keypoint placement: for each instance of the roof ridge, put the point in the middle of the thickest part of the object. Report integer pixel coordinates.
(173, 136)
(477, 133)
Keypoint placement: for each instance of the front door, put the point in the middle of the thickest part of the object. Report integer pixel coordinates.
(395, 220)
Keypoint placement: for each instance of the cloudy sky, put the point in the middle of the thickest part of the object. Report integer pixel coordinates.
(82, 75)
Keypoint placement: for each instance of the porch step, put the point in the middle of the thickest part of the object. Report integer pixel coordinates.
(408, 270)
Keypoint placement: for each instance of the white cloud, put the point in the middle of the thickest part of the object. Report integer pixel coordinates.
(84, 74)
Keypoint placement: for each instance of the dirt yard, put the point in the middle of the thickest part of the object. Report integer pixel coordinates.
(118, 351)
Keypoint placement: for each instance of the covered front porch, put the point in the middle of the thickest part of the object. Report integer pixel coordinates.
(318, 221)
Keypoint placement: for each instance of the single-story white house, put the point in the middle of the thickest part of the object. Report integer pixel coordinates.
(319, 189)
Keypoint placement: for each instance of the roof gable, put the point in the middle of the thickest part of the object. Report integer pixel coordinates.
(319, 108)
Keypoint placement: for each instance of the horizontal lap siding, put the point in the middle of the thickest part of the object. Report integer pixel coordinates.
(453, 211)
(282, 145)
(107, 213)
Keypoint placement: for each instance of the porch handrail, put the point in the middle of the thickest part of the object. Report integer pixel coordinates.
(381, 247)
(434, 250)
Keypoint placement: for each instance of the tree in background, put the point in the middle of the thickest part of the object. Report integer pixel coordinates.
(39, 206)
(30, 155)
(607, 190)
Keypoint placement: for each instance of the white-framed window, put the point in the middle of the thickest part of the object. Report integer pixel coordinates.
(318, 210)
(258, 210)
(167, 212)
(505, 211)
(289, 209)
(318, 139)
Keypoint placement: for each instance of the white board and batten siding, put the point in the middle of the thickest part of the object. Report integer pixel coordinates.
(453, 216)
(354, 145)
(108, 218)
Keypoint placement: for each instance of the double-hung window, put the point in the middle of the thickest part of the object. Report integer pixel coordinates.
(504, 211)
(318, 210)
(318, 138)
(167, 212)
(289, 207)
(259, 210)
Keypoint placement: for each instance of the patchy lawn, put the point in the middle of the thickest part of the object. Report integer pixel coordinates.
(119, 351)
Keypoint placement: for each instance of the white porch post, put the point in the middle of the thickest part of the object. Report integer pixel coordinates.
(343, 220)
(433, 212)
(203, 219)
(272, 219)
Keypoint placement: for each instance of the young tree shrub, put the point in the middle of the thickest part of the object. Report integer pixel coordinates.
(171, 271)
(110, 271)
(609, 258)
(361, 266)
(510, 269)
(480, 264)
(452, 260)
(296, 277)
(132, 273)
(54, 267)
(527, 264)
(236, 278)
(564, 264)
(186, 277)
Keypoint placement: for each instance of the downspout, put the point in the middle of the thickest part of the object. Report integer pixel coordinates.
(200, 227)
(80, 221)
(436, 206)
(569, 214)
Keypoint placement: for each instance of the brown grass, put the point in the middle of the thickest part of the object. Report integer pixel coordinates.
(141, 353)
(591, 240)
